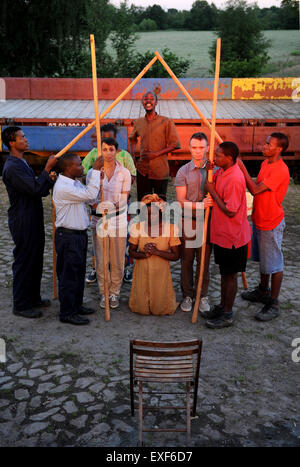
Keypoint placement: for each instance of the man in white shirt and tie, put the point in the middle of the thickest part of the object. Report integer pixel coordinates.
(72, 221)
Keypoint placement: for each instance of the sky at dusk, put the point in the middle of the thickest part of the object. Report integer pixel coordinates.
(187, 4)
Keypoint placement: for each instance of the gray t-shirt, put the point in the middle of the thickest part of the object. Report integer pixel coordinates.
(194, 179)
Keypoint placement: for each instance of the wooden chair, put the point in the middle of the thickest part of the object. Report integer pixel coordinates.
(164, 362)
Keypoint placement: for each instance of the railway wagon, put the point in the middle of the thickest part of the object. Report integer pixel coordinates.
(53, 111)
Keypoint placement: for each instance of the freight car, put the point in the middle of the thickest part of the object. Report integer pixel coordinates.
(53, 111)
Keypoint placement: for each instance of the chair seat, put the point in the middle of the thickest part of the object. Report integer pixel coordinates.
(164, 362)
(164, 369)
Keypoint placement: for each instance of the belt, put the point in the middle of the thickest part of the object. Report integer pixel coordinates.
(108, 215)
(71, 231)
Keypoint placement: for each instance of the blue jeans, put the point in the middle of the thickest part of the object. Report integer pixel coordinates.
(266, 248)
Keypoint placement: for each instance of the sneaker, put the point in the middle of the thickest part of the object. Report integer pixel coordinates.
(203, 304)
(113, 301)
(215, 313)
(257, 295)
(92, 277)
(269, 311)
(186, 304)
(102, 302)
(222, 322)
(127, 276)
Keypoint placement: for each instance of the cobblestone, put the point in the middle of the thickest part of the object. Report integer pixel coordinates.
(64, 386)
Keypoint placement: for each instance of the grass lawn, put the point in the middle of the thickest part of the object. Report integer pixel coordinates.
(196, 44)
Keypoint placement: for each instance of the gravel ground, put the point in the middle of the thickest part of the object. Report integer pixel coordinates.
(69, 386)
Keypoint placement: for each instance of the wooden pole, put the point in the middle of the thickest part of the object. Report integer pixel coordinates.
(54, 253)
(244, 279)
(109, 108)
(95, 93)
(210, 177)
(187, 95)
(98, 134)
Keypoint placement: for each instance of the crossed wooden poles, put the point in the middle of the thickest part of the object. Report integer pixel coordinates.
(96, 122)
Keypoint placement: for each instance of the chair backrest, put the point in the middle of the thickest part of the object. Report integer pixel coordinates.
(165, 361)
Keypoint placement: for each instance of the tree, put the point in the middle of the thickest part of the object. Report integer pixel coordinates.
(147, 25)
(270, 18)
(176, 19)
(137, 13)
(244, 47)
(178, 65)
(157, 14)
(49, 39)
(202, 16)
(123, 61)
(289, 14)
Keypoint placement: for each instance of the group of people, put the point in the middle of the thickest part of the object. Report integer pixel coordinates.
(152, 239)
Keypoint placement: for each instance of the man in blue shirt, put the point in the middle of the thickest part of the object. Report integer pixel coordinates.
(26, 222)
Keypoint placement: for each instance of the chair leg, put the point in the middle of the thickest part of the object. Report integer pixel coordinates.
(131, 379)
(140, 412)
(132, 398)
(188, 411)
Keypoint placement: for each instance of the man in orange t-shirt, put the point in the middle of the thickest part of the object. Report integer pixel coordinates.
(268, 224)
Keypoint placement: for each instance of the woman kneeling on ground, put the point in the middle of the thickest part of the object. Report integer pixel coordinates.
(153, 243)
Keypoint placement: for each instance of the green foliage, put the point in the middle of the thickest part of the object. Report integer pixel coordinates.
(289, 14)
(123, 39)
(157, 14)
(176, 19)
(202, 17)
(49, 38)
(243, 68)
(147, 25)
(52, 38)
(124, 61)
(178, 65)
(244, 47)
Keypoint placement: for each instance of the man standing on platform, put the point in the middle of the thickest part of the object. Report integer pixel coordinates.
(189, 183)
(26, 222)
(268, 224)
(158, 137)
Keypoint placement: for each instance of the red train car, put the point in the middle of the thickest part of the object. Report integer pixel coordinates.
(55, 110)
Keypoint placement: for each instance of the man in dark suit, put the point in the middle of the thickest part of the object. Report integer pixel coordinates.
(26, 222)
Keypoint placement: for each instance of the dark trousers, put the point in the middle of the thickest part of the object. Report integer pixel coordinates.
(71, 250)
(146, 186)
(29, 238)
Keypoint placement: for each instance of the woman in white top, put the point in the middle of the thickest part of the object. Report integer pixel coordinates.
(116, 187)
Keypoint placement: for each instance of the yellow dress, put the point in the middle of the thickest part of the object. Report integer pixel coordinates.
(152, 289)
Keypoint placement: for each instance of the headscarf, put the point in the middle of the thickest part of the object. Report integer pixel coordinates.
(154, 198)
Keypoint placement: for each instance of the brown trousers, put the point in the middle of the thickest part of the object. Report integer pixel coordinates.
(115, 259)
(187, 258)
